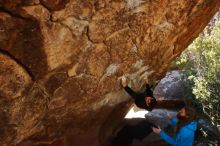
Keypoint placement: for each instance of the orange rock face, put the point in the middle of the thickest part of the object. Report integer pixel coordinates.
(61, 62)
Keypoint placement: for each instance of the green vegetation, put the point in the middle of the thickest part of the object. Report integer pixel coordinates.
(200, 69)
(199, 66)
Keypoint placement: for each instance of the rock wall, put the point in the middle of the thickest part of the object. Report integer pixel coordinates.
(61, 62)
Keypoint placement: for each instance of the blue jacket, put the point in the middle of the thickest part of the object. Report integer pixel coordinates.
(185, 135)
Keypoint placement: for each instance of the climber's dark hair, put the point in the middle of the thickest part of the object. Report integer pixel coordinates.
(153, 102)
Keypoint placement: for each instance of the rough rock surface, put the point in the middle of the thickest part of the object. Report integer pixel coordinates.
(61, 61)
(170, 87)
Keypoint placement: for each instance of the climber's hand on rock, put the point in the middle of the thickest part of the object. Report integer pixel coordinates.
(124, 81)
(145, 81)
(156, 130)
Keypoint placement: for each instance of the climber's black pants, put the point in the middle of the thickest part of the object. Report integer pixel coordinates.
(129, 132)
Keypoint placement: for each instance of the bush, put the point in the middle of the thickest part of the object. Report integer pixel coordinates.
(199, 65)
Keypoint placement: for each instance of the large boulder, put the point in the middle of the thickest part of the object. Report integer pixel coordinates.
(170, 87)
(61, 62)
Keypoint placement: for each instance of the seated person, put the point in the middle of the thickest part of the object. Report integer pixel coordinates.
(143, 100)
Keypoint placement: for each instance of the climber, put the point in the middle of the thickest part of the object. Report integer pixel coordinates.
(185, 126)
(143, 100)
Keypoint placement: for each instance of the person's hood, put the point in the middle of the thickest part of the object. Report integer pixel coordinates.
(191, 126)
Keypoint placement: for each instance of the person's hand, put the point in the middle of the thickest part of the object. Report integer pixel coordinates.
(124, 81)
(156, 130)
(146, 81)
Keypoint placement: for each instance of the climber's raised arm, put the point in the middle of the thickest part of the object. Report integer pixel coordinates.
(132, 93)
(143, 100)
